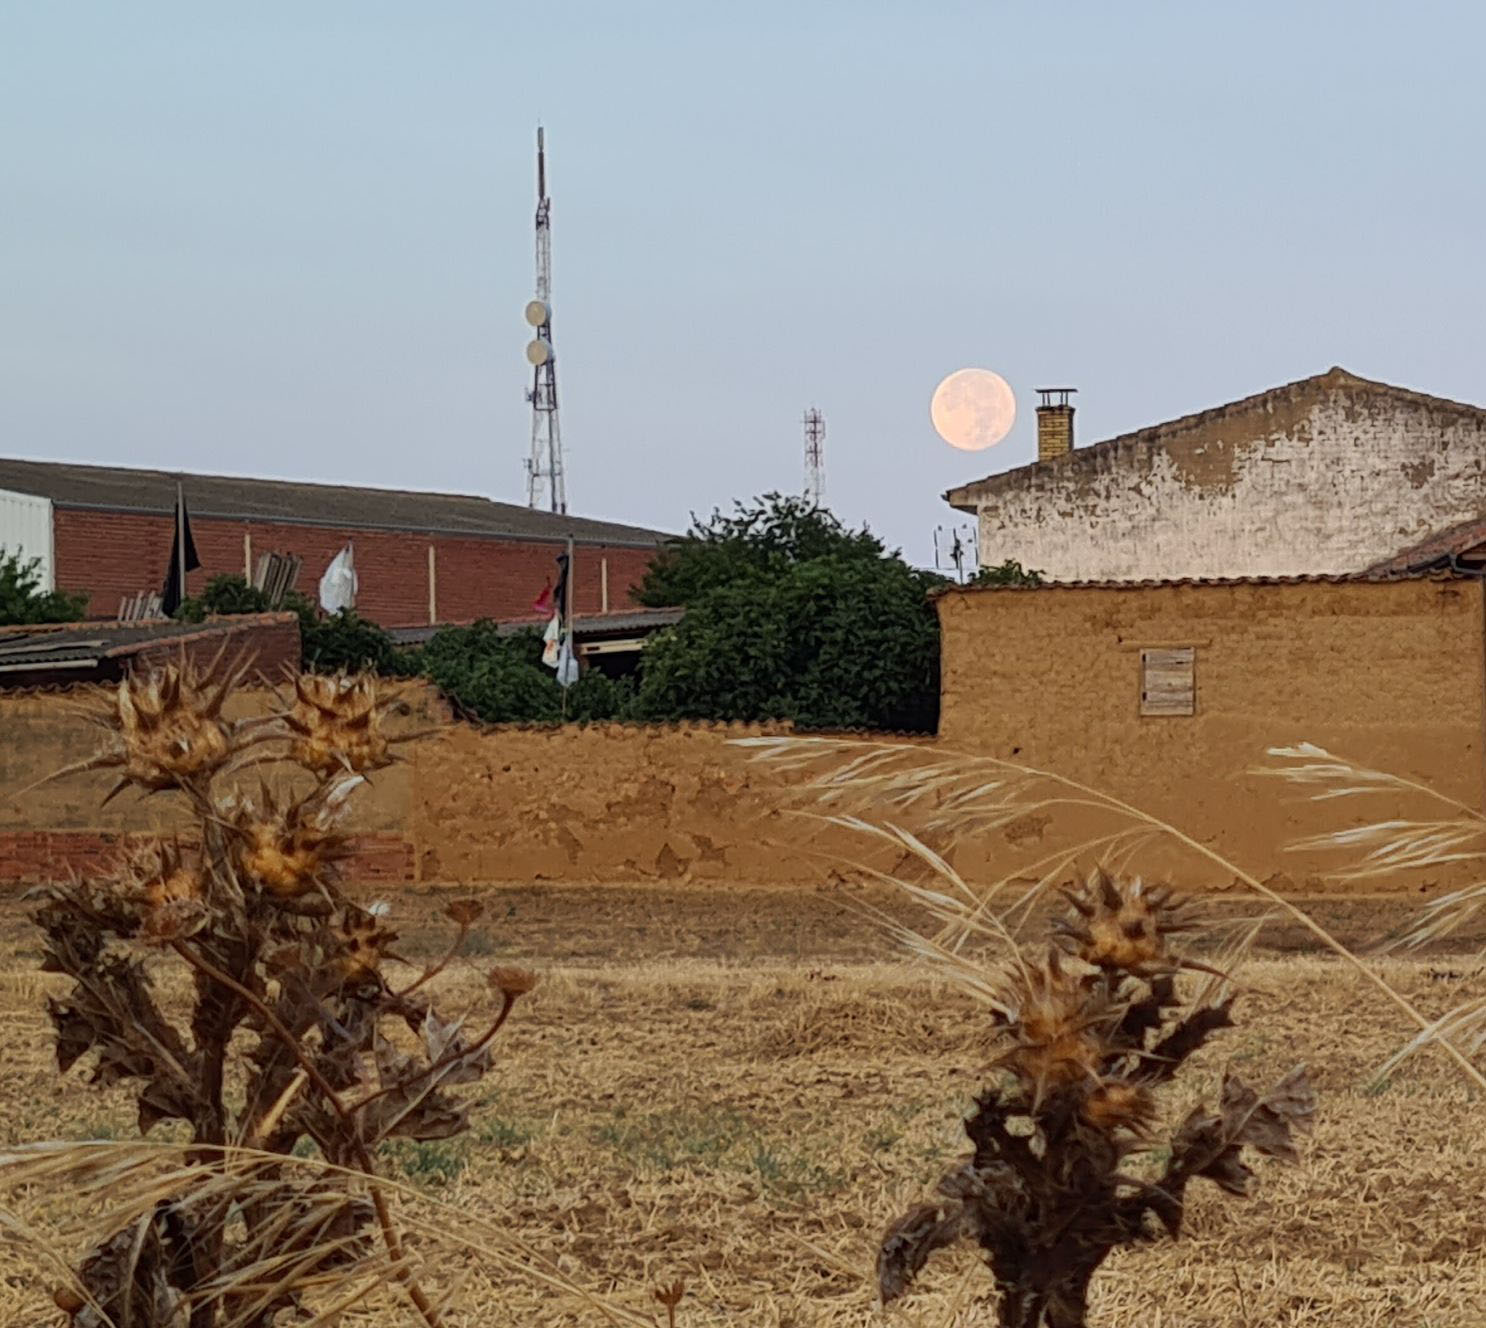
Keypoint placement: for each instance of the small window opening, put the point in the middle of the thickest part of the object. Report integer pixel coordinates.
(1168, 681)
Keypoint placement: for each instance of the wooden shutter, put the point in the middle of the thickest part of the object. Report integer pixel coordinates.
(1168, 683)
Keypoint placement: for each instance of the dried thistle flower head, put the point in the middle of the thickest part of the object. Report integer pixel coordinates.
(161, 872)
(464, 912)
(512, 982)
(670, 1297)
(1121, 925)
(1117, 1104)
(166, 884)
(1055, 1025)
(336, 723)
(288, 849)
(166, 724)
(361, 946)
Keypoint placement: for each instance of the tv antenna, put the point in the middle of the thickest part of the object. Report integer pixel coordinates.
(546, 481)
(954, 549)
(815, 458)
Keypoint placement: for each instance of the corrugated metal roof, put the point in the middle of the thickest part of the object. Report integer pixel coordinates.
(589, 625)
(120, 489)
(84, 644)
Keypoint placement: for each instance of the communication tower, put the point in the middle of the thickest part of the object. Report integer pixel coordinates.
(546, 482)
(815, 457)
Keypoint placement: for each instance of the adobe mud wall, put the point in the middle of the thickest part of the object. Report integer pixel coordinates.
(505, 806)
(1387, 674)
(611, 803)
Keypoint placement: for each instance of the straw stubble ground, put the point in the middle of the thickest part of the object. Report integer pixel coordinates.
(741, 1091)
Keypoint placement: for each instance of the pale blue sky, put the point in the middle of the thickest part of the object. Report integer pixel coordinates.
(295, 239)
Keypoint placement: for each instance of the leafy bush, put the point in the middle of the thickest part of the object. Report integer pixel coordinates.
(596, 697)
(1009, 573)
(347, 643)
(225, 593)
(22, 600)
(499, 677)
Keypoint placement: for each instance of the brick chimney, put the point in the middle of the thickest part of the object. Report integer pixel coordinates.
(1054, 422)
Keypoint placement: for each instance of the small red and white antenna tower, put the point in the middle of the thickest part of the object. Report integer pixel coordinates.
(546, 480)
(815, 458)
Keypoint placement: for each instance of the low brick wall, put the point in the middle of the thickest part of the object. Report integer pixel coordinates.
(36, 857)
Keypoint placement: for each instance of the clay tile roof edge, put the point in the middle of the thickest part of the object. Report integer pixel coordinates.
(1318, 578)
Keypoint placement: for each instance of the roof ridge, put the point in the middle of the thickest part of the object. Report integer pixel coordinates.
(1335, 376)
(351, 506)
(239, 477)
(1370, 575)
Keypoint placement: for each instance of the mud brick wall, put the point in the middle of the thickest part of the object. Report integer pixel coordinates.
(1387, 673)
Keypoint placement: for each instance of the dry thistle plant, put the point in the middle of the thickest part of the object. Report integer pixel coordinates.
(1092, 1031)
(950, 796)
(291, 1031)
(670, 1296)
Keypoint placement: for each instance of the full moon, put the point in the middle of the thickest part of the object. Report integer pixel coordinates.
(973, 409)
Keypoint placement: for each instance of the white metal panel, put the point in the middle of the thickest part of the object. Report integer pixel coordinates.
(26, 525)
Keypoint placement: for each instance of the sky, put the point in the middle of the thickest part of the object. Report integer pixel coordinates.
(295, 240)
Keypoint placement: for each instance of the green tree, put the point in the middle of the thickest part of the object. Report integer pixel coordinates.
(22, 600)
(760, 541)
(791, 616)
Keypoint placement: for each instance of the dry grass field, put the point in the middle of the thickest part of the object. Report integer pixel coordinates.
(742, 1090)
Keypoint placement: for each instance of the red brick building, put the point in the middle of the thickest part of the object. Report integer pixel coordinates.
(420, 557)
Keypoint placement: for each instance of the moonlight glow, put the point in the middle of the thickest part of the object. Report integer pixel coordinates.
(973, 409)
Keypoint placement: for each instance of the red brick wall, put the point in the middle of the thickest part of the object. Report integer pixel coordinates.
(38, 857)
(113, 554)
(271, 639)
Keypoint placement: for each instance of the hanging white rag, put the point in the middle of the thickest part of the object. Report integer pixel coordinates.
(338, 586)
(567, 664)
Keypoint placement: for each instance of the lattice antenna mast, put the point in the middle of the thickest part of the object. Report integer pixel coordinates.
(954, 548)
(546, 480)
(815, 458)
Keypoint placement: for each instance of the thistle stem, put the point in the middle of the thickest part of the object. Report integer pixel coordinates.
(390, 1235)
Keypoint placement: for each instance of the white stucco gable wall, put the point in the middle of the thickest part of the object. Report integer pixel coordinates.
(1329, 475)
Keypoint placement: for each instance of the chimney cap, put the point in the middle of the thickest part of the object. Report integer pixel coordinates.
(1062, 393)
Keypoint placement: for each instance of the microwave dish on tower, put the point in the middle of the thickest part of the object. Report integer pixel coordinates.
(546, 479)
